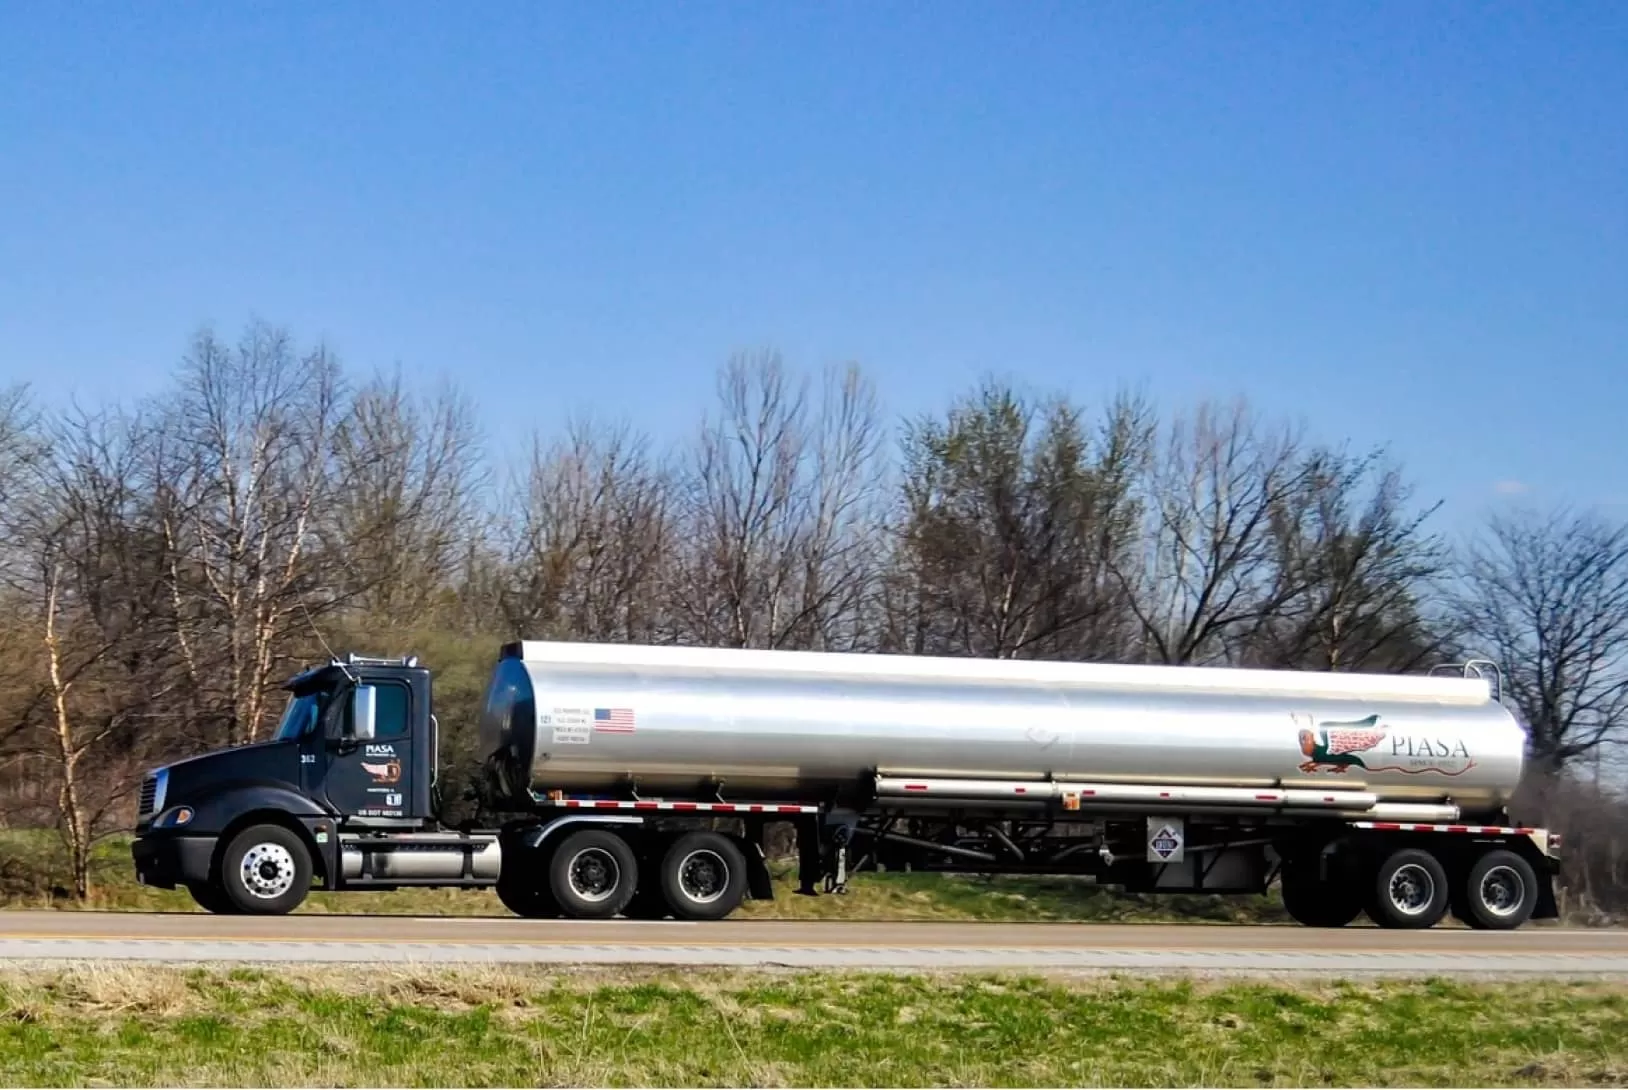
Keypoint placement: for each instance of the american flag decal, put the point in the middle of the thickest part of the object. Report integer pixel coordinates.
(613, 720)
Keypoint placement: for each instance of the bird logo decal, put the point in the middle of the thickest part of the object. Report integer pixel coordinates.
(1338, 747)
(1342, 745)
(388, 772)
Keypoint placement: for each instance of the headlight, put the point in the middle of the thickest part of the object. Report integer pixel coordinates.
(173, 818)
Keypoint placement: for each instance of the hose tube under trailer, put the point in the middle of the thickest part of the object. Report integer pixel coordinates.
(1071, 796)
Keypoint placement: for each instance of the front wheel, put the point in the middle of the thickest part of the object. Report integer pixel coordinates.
(266, 871)
(211, 898)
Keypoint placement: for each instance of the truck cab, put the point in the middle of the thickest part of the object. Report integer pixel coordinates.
(250, 828)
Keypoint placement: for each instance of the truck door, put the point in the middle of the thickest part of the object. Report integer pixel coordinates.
(373, 778)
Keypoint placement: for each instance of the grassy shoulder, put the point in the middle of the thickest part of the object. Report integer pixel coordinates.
(34, 867)
(513, 1027)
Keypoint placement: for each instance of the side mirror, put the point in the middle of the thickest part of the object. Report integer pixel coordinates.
(364, 706)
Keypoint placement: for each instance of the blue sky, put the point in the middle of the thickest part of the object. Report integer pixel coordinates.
(1404, 223)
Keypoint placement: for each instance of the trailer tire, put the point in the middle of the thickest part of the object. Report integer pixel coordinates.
(265, 871)
(1499, 892)
(1315, 902)
(593, 874)
(703, 876)
(1409, 890)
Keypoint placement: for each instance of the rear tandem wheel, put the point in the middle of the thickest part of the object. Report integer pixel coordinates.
(1314, 901)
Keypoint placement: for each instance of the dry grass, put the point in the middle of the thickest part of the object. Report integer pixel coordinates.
(520, 1026)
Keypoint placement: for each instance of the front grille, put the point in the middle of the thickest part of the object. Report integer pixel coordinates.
(149, 795)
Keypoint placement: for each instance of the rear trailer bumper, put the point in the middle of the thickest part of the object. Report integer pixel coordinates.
(169, 861)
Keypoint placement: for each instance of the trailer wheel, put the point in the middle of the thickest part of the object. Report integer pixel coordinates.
(1499, 893)
(703, 876)
(1315, 902)
(1410, 890)
(593, 874)
(265, 871)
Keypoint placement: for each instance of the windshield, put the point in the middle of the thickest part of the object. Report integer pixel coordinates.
(300, 715)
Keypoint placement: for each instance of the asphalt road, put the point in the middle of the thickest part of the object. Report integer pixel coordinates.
(190, 938)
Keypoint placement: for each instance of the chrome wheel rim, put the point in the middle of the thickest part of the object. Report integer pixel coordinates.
(1412, 889)
(1502, 891)
(703, 876)
(594, 874)
(267, 871)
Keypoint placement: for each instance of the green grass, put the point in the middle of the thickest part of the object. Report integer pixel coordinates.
(36, 866)
(515, 1027)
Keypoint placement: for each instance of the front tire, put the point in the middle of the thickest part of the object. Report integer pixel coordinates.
(265, 871)
(211, 898)
(593, 874)
(1409, 891)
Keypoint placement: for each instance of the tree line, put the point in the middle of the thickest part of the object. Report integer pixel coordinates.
(165, 564)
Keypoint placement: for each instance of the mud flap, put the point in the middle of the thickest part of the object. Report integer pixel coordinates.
(758, 883)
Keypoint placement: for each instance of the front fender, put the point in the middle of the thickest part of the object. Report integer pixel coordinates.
(215, 814)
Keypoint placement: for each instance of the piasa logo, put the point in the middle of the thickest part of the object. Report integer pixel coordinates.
(377, 750)
(1337, 747)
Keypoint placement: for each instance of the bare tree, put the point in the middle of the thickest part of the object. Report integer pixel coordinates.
(593, 529)
(1012, 517)
(1546, 596)
(841, 546)
(251, 466)
(406, 503)
(88, 584)
(19, 440)
(776, 508)
(1213, 566)
(1363, 566)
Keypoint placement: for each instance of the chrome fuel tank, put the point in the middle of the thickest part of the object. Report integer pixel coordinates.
(781, 725)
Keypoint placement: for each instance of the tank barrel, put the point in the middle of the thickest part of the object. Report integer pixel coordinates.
(687, 722)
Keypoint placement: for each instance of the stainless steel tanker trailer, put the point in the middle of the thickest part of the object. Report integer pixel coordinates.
(643, 781)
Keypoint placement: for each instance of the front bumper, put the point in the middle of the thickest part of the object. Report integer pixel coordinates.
(169, 861)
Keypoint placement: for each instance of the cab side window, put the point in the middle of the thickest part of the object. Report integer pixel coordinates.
(390, 703)
(391, 711)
